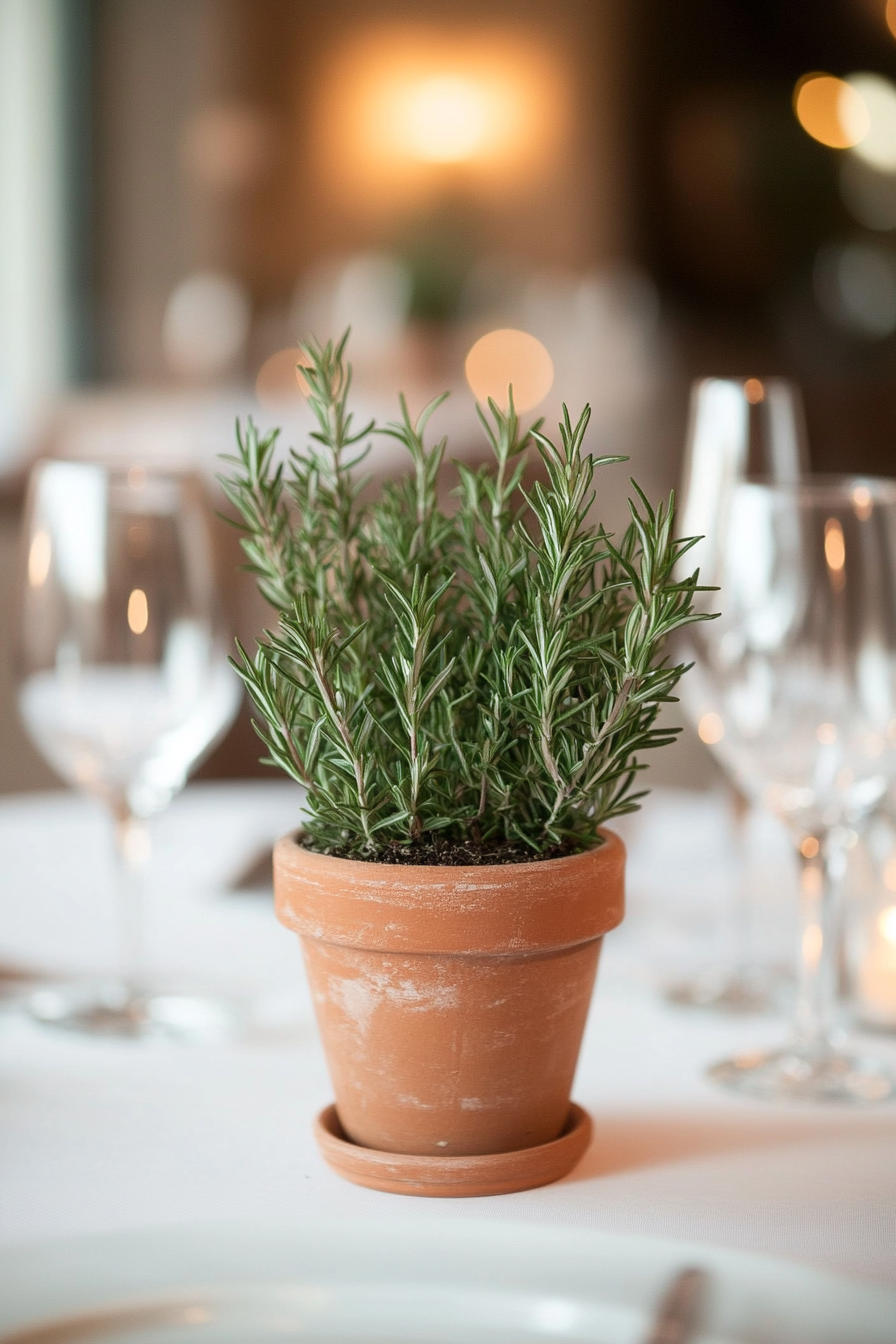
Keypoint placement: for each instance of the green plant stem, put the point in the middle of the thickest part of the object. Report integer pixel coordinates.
(495, 672)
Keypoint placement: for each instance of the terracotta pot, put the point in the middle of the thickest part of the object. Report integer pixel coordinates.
(451, 1001)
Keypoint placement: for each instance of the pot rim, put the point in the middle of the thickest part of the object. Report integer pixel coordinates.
(610, 840)
(495, 909)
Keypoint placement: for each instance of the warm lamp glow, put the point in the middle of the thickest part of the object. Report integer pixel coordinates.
(447, 116)
(754, 391)
(447, 119)
(891, 16)
(509, 358)
(831, 111)
(400, 105)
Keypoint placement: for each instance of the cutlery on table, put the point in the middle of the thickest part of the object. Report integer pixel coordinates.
(678, 1316)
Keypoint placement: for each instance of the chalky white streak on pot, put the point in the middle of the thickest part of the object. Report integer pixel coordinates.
(358, 998)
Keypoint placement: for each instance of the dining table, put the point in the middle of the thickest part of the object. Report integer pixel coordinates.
(102, 1135)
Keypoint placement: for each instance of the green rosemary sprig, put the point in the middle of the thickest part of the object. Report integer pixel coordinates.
(490, 675)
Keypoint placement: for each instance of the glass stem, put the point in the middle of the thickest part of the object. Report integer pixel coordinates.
(821, 879)
(132, 852)
(740, 917)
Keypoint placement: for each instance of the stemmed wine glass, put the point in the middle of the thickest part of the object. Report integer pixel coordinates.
(740, 429)
(124, 685)
(800, 672)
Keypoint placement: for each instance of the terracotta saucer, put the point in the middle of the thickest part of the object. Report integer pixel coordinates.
(453, 1177)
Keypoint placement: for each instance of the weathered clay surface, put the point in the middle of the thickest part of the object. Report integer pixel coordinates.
(453, 1177)
(451, 1001)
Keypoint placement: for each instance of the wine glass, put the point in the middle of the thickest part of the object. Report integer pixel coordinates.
(124, 685)
(800, 673)
(740, 428)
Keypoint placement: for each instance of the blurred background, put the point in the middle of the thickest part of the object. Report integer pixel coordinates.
(652, 191)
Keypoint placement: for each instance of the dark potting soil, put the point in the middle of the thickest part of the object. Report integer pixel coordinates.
(455, 853)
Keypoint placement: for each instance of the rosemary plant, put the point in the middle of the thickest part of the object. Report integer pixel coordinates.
(467, 686)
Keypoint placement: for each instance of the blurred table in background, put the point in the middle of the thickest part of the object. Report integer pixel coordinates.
(99, 1136)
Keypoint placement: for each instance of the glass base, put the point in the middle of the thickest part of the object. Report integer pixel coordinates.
(726, 989)
(799, 1073)
(114, 1010)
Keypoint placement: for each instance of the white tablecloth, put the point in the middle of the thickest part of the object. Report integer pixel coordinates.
(98, 1135)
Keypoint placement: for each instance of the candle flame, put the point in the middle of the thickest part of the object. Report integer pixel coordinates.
(834, 545)
(138, 611)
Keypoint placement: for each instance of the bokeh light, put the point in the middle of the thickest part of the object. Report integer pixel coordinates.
(831, 110)
(856, 288)
(206, 325)
(886, 923)
(228, 146)
(890, 16)
(813, 937)
(279, 379)
(877, 146)
(710, 729)
(372, 295)
(835, 555)
(869, 195)
(40, 556)
(138, 611)
(506, 358)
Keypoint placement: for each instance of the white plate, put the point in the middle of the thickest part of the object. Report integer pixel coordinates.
(411, 1282)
